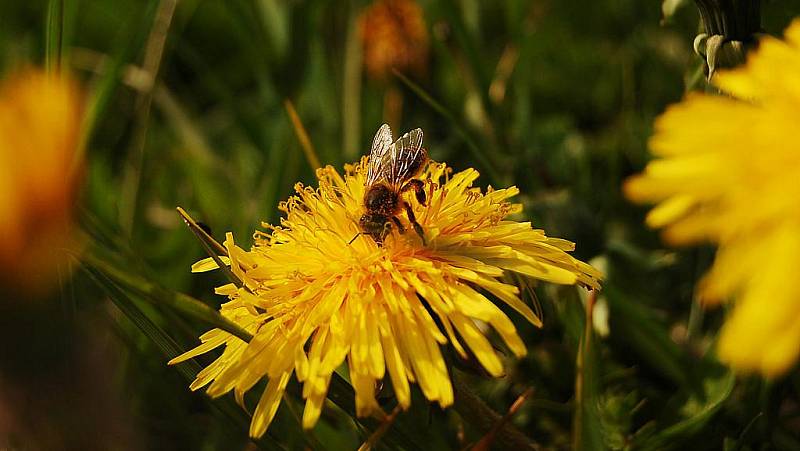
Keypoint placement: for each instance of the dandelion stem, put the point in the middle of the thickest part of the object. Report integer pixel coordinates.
(582, 437)
(485, 443)
(481, 417)
(376, 435)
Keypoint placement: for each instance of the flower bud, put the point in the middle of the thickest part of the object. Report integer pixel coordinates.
(731, 27)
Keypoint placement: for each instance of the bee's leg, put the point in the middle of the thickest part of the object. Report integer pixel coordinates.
(387, 229)
(399, 224)
(419, 190)
(413, 220)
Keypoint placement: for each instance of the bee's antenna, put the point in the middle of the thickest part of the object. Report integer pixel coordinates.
(354, 238)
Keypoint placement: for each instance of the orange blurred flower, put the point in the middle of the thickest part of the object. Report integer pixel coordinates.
(394, 36)
(40, 118)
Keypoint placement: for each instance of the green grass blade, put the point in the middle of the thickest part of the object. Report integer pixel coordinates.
(698, 411)
(351, 87)
(161, 296)
(135, 159)
(480, 156)
(470, 46)
(129, 41)
(302, 135)
(54, 36)
(132, 311)
(648, 338)
(211, 246)
(169, 348)
(399, 436)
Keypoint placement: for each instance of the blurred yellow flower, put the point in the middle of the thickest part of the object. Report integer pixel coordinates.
(40, 116)
(394, 36)
(728, 171)
(312, 301)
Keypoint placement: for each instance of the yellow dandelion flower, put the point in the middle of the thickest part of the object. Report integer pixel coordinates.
(312, 301)
(40, 117)
(727, 171)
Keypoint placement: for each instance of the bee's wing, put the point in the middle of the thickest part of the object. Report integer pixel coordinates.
(408, 155)
(380, 156)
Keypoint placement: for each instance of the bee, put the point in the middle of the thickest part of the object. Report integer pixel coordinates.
(390, 173)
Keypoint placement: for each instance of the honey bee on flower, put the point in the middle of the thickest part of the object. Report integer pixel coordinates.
(315, 299)
(391, 169)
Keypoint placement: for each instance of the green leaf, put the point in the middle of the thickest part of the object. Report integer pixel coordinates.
(632, 323)
(697, 411)
(130, 39)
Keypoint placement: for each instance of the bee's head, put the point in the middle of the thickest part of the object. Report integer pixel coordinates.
(375, 225)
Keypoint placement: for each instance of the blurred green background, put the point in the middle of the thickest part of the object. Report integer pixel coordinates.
(556, 97)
